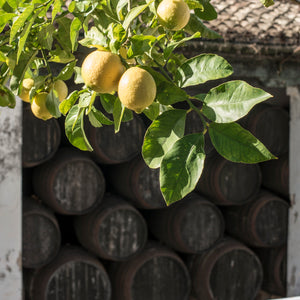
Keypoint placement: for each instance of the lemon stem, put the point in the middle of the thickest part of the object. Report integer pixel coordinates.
(46, 61)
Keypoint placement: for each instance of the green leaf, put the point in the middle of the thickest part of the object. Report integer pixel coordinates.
(45, 36)
(94, 37)
(74, 32)
(97, 118)
(208, 12)
(20, 70)
(84, 100)
(118, 113)
(67, 104)
(4, 19)
(63, 33)
(52, 104)
(194, 4)
(140, 44)
(231, 101)
(195, 25)
(161, 135)
(7, 98)
(237, 144)
(19, 23)
(168, 93)
(181, 167)
(67, 72)
(267, 3)
(173, 45)
(202, 68)
(24, 35)
(108, 102)
(74, 128)
(133, 13)
(56, 8)
(61, 56)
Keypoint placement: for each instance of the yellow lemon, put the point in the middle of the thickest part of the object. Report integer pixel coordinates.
(173, 14)
(61, 89)
(26, 86)
(39, 108)
(137, 89)
(101, 71)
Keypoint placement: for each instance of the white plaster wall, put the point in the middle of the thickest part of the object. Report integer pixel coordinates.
(10, 203)
(293, 254)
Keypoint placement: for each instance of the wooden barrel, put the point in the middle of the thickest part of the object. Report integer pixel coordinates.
(193, 124)
(155, 273)
(27, 188)
(190, 225)
(274, 263)
(262, 223)
(227, 271)
(41, 139)
(114, 148)
(40, 234)
(270, 124)
(228, 183)
(275, 175)
(115, 230)
(73, 275)
(138, 183)
(70, 183)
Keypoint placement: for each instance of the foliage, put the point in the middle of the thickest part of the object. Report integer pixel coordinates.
(37, 34)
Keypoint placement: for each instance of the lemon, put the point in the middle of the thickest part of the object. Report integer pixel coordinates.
(101, 71)
(173, 14)
(61, 88)
(26, 86)
(137, 89)
(39, 108)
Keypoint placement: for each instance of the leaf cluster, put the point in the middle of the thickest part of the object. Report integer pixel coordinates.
(35, 35)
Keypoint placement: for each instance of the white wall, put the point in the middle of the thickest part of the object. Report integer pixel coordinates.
(10, 203)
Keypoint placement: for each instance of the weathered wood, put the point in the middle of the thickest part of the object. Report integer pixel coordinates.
(274, 262)
(73, 275)
(190, 225)
(115, 230)
(228, 183)
(114, 148)
(227, 271)
(70, 183)
(41, 139)
(275, 175)
(157, 273)
(40, 234)
(137, 182)
(270, 124)
(261, 223)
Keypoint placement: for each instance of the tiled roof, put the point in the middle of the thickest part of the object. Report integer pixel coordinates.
(248, 21)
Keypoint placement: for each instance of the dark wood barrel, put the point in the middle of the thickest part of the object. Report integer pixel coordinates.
(274, 263)
(270, 124)
(114, 148)
(73, 275)
(70, 183)
(40, 234)
(41, 139)
(155, 273)
(227, 271)
(229, 183)
(138, 183)
(193, 124)
(262, 223)
(190, 225)
(115, 230)
(275, 175)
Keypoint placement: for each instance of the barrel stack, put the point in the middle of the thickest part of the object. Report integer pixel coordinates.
(95, 225)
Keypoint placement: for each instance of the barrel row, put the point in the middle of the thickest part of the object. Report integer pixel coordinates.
(269, 123)
(157, 272)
